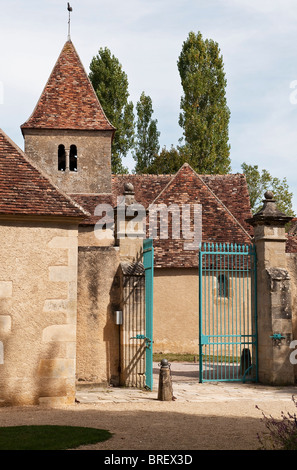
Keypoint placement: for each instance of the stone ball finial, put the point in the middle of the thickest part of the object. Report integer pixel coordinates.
(128, 187)
(268, 195)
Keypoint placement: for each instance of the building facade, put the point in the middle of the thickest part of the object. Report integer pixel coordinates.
(61, 284)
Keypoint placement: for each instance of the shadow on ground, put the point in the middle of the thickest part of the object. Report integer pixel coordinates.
(150, 430)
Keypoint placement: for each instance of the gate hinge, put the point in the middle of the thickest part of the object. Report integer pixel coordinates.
(138, 337)
(204, 339)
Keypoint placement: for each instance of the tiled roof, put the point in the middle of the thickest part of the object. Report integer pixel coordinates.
(291, 245)
(90, 202)
(24, 190)
(68, 100)
(293, 227)
(225, 206)
(218, 223)
(231, 190)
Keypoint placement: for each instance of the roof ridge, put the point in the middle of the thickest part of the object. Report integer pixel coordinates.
(88, 78)
(209, 189)
(48, 88)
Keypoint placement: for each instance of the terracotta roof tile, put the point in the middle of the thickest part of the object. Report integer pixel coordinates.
(222, 220)
(68, 100)
(293, 227)
(291, 244)
(24, 190)
(218, 224)
(231, 190)
(89, 202)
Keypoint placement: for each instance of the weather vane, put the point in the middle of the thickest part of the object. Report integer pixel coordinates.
(69, 8)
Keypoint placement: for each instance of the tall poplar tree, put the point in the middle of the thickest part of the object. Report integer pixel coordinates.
(111, 85)
(147, 135)
(204, 113)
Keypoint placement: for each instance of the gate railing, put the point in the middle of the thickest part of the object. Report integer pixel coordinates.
(148, 262)
(227, 313)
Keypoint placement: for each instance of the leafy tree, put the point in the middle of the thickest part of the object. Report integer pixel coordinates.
(260, 182)
(147, 137)
(168, 161)
(204, 113)
(111, 85)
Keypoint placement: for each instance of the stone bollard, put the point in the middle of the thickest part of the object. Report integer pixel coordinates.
(165, 384)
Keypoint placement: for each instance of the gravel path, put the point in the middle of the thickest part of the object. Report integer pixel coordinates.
(208, 416)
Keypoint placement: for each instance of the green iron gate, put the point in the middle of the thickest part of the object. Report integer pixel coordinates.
(148, 262)
(227, 313)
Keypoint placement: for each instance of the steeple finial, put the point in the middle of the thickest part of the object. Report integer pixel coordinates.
(69, 8)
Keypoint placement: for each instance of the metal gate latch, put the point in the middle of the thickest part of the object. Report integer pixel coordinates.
(148, 341)
(138, 337)
(277, 336)
(277, 339)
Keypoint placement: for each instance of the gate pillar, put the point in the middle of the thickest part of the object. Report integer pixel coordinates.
(273, 295)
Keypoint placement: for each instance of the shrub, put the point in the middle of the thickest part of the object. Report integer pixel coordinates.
(282, 433)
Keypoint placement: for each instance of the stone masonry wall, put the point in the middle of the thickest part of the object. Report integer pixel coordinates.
(38, 288)
(93, 163)
(292, 268)
(98, 298)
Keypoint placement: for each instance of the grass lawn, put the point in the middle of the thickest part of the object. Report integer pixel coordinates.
(49, 437)
(157, 357)
(171, 357)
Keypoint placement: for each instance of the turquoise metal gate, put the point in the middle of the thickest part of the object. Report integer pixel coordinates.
(148, 262)
(227, 313)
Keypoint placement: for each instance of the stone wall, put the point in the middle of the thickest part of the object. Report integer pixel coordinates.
(93, 160)
(292, 268)
(274, 295)
(176, 310)
(38, 294)
(97, 334)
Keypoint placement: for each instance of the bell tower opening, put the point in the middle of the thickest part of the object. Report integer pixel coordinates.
(73, 158)
(61, 158)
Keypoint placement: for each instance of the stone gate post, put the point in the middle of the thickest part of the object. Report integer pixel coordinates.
(273, 295)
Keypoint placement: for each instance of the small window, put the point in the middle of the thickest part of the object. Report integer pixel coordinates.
(223, 286)
(73, 158)
(61, 158)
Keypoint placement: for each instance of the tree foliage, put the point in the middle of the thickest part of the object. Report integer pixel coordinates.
(111, 85)
(260, 182)
(147, 136)
(168, 161)
(204, 113)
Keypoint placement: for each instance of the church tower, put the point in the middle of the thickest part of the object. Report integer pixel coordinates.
(68, 134)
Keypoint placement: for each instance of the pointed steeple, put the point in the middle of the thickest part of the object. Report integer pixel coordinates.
(68, 100)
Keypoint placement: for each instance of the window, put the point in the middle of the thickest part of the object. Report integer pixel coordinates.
(73, 158)
(61, 158)
(223, 286)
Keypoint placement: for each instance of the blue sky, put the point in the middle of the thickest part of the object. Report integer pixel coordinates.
(257, 39)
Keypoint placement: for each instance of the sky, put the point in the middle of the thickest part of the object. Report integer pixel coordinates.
(257, 39)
